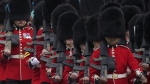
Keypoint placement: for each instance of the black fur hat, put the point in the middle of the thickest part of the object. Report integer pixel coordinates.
(2, 14)
(146, 25)
(129, 12)
(49, 6)
(138, 3)
(75, 4)
(36, 2)
(79, 32)
(65, 25)
(111, 23)
(119, 1)
(38, 18)
(19, 9)
(131, 27)
(2, 3)
(90, 7)
(149, 6)
(139, 30)
(58, 11)
(110, 4)
(92, 28)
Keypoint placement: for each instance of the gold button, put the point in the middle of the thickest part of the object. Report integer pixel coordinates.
(115, 76)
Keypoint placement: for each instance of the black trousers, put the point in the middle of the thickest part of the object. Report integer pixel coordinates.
(2, 82)
(45, 83)
(10, 81)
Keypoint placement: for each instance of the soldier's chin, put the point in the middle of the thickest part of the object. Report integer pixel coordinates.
(21, 25)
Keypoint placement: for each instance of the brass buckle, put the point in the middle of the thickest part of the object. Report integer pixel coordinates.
(21, 56)
(115, 76)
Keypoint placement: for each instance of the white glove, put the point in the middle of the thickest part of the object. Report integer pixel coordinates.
(34, 61)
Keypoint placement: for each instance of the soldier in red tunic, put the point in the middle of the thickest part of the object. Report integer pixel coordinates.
(64, 34)
(48, 7)
(111, 29)
(79, 39)
(16, 71)
(136, 41)
(55, 17)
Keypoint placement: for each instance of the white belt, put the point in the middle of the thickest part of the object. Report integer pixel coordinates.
(116, 76)
(21, 56)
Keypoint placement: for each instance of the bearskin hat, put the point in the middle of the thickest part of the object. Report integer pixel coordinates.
(90, 7)
(138, 3)
(2, 14)
(2, 3)
(79, 32)
(131, 27)
(38, 18)
(58, 11)
(139, 30)
(49, 6)
(36, 2)
(19, 9)
(111, 23)
(129, 12)
(110, 4)
(119, 1)
(146, 25)
(75, 4)
(149, 5)
(65, 25)
(92, 28)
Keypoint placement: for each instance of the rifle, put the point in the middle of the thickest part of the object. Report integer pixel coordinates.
(60, 56)
(11, 39)
(76, 56)
(87, 54)
(107, 62)
(54, 47)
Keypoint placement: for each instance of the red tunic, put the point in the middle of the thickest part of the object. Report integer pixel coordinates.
(67, 69)
(81, 73)
(3, 63)
(43, 76)
(54, 72)
(123, 59)
(16, 68)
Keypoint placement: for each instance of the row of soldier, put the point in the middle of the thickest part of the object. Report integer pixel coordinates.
(74, 41)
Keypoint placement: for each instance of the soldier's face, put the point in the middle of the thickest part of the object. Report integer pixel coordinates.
(69, 41)
(96, 44)
(20, 23)
(112, 41)
(82, 46)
